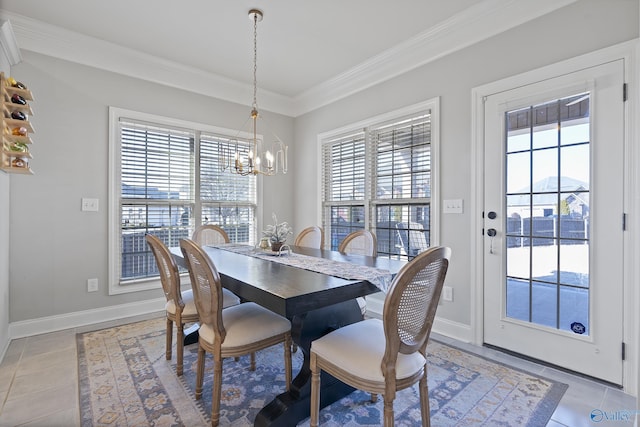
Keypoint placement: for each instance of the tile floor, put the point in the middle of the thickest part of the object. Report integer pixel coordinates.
(39, 384)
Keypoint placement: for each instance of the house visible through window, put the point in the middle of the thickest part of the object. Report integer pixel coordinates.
(378, 176)
(169, 181)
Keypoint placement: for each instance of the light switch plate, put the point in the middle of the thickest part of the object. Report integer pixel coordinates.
(89, 205)
(453, 206)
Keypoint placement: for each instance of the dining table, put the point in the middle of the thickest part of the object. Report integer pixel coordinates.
(316, 289)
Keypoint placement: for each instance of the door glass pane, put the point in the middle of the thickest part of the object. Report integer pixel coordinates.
(574, 310)
(544, 170)
(518, 221)
(544, 260)
(574, 260)
(518, 259)
(544, 307)
(518, 299)
(574, 164)
(518, 172)
(547, 226)
(518, 135)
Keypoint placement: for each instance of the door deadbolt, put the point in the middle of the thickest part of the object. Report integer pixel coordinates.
(492, 215)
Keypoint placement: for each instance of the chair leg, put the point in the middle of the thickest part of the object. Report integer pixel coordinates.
(179, 348)
(388, 412)
(287, 361)
(253, 362)
(169, 338)
(200, 372)
(217, 390)
(424, 402)
(374, 397)
(315, 391)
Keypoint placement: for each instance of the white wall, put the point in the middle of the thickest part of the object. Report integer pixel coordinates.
(55, 247)
(582, 27)
(4, 261)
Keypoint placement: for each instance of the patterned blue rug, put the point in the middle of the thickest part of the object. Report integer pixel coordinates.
(125, 380)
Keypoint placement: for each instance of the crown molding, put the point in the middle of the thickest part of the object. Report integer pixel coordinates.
(477, 23)
(9, 43)
(50, 40)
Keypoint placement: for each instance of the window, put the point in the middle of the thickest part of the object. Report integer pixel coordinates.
(166, 180)
(378, 175)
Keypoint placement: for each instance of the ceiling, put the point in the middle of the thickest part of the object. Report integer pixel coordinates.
(305, 49)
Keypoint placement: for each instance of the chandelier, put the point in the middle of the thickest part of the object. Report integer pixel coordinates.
(257, 160)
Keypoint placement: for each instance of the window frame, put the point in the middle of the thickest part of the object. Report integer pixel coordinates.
(370, 202)
(114, 228)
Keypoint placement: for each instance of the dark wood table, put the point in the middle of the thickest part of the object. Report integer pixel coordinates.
(315, 303)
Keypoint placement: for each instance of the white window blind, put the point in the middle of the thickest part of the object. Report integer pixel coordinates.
(227, 200)
(403, 159)
(170, 181)
(402, 168)
(379, 178)
(156, 192)
(344, 181)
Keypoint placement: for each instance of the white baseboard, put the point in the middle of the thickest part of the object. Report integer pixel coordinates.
(451, 329)
(4, 349)
(448, 328)
(47, 324)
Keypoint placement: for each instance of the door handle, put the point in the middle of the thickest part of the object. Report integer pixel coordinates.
(491, 232)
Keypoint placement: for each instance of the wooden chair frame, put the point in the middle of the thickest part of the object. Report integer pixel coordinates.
(207, 290)
(366, 234)
(408, 317)
(170, 279)
(304, 234)
(200, 233)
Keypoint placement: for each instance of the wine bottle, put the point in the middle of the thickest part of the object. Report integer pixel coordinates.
(17, 99)
(18, 115)
(19, 131)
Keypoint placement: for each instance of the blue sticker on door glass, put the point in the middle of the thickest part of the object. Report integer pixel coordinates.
(578, 328)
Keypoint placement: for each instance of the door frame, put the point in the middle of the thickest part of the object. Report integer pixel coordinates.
(627, 51)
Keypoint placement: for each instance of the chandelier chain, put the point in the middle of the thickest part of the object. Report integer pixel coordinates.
(255, 158)
(255, 61)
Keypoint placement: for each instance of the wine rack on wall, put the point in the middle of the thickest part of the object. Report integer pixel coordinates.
(15, 154)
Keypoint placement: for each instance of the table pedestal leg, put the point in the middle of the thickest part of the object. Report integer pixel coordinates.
(289, 408)
(191, 334)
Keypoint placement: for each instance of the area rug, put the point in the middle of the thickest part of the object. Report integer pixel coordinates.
(125, 380)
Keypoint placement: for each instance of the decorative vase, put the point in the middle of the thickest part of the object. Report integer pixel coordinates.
(275, 246)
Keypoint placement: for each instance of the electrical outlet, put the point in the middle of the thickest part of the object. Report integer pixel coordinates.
(92, 285)
(447, 293)
(89, 205)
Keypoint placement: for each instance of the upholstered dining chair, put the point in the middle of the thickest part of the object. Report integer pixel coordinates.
(232, 332)
(180, 307)
(388, 355)
(361, 242)
(209, 234)
(310, 237)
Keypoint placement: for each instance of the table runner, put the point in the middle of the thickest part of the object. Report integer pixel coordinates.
(345, 270)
